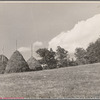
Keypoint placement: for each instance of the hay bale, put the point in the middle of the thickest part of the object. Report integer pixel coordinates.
(3, 63)
(34, 64)
(16, 64)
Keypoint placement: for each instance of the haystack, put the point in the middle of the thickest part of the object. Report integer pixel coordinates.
(16, 64)
(3, 63)
(34, 64)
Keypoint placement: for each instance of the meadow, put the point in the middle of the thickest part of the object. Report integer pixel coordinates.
(69, 82)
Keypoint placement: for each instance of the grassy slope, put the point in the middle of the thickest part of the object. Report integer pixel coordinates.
(72, 82)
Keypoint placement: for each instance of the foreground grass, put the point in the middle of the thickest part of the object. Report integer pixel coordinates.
(69, 82)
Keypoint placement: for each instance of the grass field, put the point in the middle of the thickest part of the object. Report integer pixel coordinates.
(69, 82)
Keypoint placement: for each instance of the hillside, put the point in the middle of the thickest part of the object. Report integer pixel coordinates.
(70, 82)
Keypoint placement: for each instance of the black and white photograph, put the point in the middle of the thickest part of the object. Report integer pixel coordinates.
(49, 49)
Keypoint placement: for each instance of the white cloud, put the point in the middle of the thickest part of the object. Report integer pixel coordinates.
(81, 35)
(37, 43)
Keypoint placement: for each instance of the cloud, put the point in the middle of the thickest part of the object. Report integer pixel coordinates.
(81, 35)
(36, 45)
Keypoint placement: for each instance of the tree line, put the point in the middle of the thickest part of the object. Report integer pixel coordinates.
(60, 58)
(89, 55)
(51, 59)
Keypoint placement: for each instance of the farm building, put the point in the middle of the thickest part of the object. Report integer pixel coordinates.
(16, 64)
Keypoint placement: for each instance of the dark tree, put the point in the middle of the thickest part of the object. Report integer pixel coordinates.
(48, 58)
(62, 57)
(93, 51)
(81, 56)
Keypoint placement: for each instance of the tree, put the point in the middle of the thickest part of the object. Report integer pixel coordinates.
(93, 51)
(61, 57)
(48, 57)
(42, 53)
(97, 49)
(81, 56)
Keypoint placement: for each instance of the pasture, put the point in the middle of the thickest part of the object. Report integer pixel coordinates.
(69, 82)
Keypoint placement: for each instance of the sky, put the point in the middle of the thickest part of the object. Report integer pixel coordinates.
(47, 25)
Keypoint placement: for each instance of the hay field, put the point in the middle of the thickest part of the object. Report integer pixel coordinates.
(70, 82)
